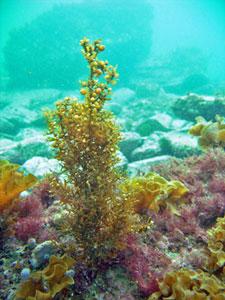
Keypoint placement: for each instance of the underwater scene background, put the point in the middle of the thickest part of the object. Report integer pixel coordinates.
(112, 137)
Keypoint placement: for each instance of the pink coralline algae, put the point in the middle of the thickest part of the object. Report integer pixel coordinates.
(32, 214)
(27, 227)
(145, 265)
(29, 218)
(205, 178)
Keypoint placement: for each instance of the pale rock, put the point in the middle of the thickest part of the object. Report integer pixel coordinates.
(41, 166)
(143, 166)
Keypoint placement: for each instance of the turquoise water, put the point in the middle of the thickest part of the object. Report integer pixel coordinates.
(126, 223)
(166, 26)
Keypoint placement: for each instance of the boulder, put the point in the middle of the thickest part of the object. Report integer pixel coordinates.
(178, 144)
(143, 166)
(40, 166)
(150, 125)
(191, 106)
(147, 150)
(7, 127)
(20, 116)
(24, 109)
(6, 145)
(130, 141)
(42, 253)
(123, 95)
(26, 144)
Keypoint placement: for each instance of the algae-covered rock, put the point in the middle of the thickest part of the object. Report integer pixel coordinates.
(191, 106)
(42, 252)
(178, 144)
(130, 141)
(112, 284)
(150, 125)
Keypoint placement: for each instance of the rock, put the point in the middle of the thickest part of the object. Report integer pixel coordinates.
(164, 119)
(178, 144)
(123, 95)
(135, 109)
(42, 252)
(7, 127)
(6, 145)
(147, 150)
(25, 108)
(163, 122)
(143, 166)
(20, 116)
(148, 126)
(27, 143)
(191, 106)
(31, 243)
(32, 99)
(43, 98)
(40, 166)
(25, 274)
(181, 125)
(130, 141)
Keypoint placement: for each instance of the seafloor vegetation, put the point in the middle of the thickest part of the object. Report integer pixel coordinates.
(88, 230)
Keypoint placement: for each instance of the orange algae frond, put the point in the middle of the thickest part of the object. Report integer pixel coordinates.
(12, 183)
(45, 284)
(86, 139)
(211, 134)
(152, 192)
(188, 284)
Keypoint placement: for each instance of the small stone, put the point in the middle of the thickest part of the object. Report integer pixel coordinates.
(70, 273)
(31, 243)
(6, 273)
(43, 251)
(25, 274)
(34, 263)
